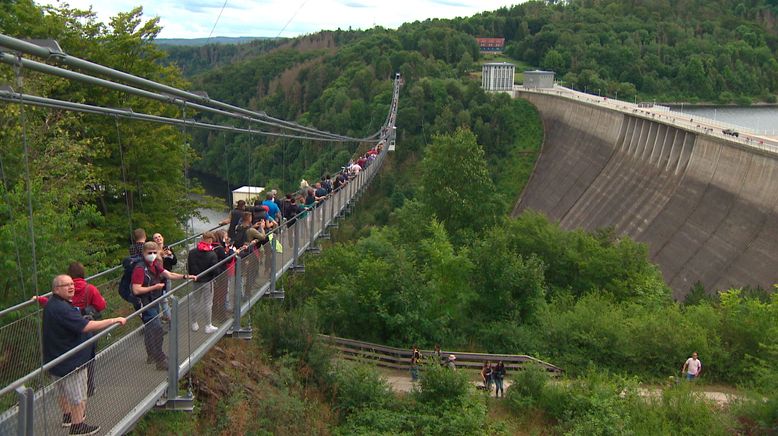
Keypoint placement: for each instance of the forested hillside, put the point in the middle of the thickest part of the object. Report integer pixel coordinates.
(714, 50)
(339, 81)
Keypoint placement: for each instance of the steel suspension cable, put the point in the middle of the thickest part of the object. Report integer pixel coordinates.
(189, 226)
(227, 170)
(242, 114)
(124, 179)
(63, 58)
(28, 182)
(34, 100)
(31, 224)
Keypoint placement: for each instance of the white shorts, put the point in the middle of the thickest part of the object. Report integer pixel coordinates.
(72, 387)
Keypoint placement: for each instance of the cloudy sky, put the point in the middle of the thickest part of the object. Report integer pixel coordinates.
(195, 18)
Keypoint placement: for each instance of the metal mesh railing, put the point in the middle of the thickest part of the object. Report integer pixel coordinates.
(140, 363)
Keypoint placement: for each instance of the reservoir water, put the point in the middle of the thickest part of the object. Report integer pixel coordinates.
(762, 120)
(214, 187)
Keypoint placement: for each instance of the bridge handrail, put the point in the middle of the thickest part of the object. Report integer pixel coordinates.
(28, 302)
(87, 344)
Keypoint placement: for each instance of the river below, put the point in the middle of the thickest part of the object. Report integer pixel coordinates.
(213, 187)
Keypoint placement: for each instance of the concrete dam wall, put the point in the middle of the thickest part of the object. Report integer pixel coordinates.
(706, 207)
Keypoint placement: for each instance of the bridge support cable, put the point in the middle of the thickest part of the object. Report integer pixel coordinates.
(164, 93)
(72, 75)
(33, 100)
(124, 180)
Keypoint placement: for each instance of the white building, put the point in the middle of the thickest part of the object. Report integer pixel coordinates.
(538, 79)
(497, 76)
(247, 194)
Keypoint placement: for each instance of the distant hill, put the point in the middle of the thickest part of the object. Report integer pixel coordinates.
(197, 42)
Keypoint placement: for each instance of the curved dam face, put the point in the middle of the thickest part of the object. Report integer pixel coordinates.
(706, 207)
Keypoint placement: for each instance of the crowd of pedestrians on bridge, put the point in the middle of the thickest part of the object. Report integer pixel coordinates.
(73, 313)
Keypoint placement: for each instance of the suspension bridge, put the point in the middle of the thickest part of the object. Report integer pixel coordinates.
(126, 384)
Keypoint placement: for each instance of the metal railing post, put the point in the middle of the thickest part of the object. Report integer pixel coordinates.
(312, 248)
(174, 400)
(323, 234)
(296, 265)
(273, 292)
(236, 331)
(25, 426)
(333, 212)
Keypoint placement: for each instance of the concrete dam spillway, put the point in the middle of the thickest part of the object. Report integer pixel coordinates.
(706, 206)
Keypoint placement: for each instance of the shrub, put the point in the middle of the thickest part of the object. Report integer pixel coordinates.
(677, 410)
(356, 386)
(377, 422)
(441, 386)
(756, 414)
(603, 404)
(294, 333)
(527, 388)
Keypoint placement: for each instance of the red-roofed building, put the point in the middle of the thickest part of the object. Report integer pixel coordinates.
(491, 45)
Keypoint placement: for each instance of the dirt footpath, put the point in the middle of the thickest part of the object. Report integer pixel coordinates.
(401, 382)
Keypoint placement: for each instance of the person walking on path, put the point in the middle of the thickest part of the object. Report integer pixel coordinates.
(148, 277)
(415, 356)
(486, 376)
(692, 367)
(498, 374)
(451, 362)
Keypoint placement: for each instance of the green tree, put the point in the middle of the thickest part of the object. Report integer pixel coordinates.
(455, 182)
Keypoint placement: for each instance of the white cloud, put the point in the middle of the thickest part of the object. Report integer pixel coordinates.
(195, 18)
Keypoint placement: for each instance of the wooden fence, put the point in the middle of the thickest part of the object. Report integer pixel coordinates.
(400, 358)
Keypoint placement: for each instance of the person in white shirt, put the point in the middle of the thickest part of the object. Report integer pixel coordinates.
(692, 367)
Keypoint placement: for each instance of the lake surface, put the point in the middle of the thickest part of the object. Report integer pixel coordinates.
(760, 120)
(214, 187)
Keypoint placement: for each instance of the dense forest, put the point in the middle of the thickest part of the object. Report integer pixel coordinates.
(673, 50)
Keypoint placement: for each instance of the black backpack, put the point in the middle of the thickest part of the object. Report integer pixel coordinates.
(240, 236)
(125, 285)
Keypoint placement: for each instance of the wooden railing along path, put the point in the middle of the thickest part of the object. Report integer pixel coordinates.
(400, 358)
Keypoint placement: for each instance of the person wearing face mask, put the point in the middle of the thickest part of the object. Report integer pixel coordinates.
(148, 281)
